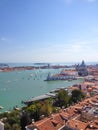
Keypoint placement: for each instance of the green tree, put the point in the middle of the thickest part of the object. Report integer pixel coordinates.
(15, 127)
(37, 109)
(31, 108)
(34, 110)
(12, 120)
(63, 98)
(47, 107)
(77, 95)
(7, 126)
(24, 120)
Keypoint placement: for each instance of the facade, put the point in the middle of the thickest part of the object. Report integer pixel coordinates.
(82, 69)
(1, 126)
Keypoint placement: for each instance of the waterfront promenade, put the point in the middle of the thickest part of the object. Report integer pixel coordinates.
(40, 98)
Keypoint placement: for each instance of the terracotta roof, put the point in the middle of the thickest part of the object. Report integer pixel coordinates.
(64, 115)
(45, 124)
(77, 124)
(59, 119)
(92, 126)
(67, 116)
(53, 123)
(95, 87)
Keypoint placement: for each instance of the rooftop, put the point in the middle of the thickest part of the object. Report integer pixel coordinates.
(71, 117)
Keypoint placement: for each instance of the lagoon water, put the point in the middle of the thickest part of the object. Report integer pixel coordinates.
(22, 85)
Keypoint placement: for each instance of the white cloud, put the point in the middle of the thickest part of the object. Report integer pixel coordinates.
(69, 51)
(3, 39)
(74, 51)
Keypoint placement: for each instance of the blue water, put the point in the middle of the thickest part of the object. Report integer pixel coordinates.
(22, 85)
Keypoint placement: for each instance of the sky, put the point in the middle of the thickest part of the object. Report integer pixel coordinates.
(48, 31)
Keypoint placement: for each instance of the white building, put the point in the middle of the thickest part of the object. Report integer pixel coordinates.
(1, 125)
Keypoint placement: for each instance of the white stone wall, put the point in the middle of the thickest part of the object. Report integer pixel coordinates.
(1, 126)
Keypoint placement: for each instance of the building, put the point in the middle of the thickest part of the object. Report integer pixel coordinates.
(81, 116)
(1, 125)
(82, 69)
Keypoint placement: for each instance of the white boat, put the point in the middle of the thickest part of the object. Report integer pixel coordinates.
(1, 107)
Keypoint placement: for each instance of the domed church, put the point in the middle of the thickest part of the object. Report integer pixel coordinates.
(82, 69)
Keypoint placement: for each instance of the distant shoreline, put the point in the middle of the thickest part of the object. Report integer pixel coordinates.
(8, 69)
(19, 66)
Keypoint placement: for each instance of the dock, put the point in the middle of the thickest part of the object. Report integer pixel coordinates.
(52, 93)
(40, 98)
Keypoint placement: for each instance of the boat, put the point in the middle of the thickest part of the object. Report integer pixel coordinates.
(1, 107)
(16, 108)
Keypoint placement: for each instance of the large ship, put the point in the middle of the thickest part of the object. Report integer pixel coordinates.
(62, 76)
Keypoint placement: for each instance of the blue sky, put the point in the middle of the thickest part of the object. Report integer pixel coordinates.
(48, 30)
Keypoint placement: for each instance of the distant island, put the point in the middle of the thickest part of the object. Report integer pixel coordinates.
(7, 68)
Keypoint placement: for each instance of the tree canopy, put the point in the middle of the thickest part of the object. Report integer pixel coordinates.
(63, 98)
(77, 95)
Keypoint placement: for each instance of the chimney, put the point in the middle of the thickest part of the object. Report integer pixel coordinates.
(76, 126)
(33, 121)
(52, 117)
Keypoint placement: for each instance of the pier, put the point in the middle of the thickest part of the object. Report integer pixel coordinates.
(40, 98)
(52, 94)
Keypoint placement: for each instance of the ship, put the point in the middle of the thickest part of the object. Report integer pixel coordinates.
(61, 76)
